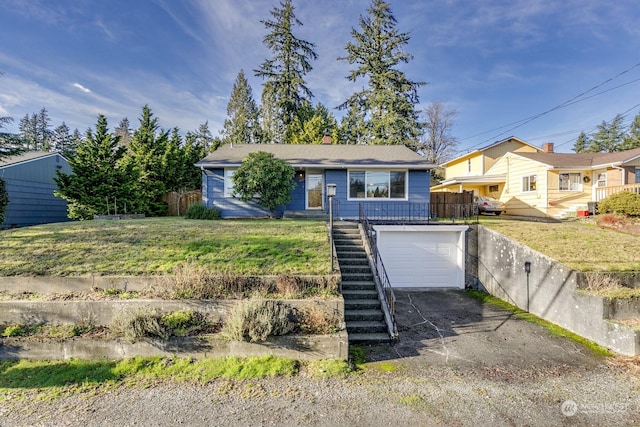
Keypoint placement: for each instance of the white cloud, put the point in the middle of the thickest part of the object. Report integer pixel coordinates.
(81, 88)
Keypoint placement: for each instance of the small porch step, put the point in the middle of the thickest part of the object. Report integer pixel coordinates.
(365, 338)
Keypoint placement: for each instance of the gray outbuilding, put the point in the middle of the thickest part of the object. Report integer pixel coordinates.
(30, 184)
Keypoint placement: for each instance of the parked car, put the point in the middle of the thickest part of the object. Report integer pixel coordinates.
(489, 205)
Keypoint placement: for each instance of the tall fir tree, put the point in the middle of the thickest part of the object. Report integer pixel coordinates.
(631, 139)
(145, 155)
(123, 131)
(273, 129)
(291, 61)
(388, 102)
(100, 183)
(242, 125)
(608, 137)
(582, 143)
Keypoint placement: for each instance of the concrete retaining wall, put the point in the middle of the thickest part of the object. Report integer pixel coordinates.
(548, 291)
(308, 347)
(103, 312)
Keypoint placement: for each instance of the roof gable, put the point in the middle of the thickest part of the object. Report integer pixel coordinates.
(479, 151)
(584, 160)
(321, 156)
(27, 157)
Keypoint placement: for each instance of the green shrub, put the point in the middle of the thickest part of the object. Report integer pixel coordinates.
(184, 322)
(256, 320)
(199, 211)
(624, 202)
(14, 331)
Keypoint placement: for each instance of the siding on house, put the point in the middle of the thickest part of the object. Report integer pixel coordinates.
(30, 186)
(518, 202)
(213, 195)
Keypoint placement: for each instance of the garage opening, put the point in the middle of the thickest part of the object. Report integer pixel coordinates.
(423, 256)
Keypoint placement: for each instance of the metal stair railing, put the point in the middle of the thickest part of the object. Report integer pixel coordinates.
(385, 291)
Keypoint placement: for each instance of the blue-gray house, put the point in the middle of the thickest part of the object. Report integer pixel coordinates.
(368, 174)
(29, 181)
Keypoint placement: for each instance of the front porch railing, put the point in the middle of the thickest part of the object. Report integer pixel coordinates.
(382, 279)
(604, 192)
(417, 212)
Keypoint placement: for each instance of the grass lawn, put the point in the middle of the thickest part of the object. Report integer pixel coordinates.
(154, 245)
(580, 244)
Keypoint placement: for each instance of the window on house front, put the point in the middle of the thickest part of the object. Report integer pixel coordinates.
(637, 175)
(570, 181)
(528, 183)
(228, 182)
(377, 184)
(493, 188)
(601, 179)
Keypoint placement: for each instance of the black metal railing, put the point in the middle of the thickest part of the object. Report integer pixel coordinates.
(418, 212)
(389, 298)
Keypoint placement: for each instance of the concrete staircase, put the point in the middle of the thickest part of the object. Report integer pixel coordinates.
(362, 310)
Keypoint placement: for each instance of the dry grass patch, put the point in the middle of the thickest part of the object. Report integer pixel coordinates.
(580, 245)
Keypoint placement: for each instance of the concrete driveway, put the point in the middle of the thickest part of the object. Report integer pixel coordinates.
(446, 327)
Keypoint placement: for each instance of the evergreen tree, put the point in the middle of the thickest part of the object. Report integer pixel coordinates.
(312, 124)
(192, 152)
(10, 144)
(145, 155)
(581, 144)
(389, 100)
(35, 132)
(437, 144)
(286, 69)
(273, 129)
(123, 131)
(632, 138)
(61, 138)
(608, 136)
(242, 125)
(353, 126)
(100, 183)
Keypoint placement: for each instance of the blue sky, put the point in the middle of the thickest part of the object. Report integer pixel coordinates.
(495, 62)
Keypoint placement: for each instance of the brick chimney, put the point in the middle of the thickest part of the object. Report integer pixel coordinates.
(326, 140)
(547, 147)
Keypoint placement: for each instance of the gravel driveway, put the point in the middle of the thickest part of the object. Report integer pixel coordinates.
(457, 362)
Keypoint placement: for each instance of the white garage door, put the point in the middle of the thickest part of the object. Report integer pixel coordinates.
(423, 256)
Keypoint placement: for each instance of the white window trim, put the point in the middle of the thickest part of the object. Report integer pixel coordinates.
(228, 183)
(580, 187)
(378, 199)
(535, 179)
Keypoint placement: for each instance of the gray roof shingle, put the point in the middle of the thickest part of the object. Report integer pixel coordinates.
(322, 156)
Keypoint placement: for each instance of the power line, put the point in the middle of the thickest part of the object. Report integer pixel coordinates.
(566, 103)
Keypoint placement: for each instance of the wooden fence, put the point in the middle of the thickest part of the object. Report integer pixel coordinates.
(180, 202)
(447, 205)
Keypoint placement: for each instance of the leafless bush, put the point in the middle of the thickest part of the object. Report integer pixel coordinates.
(256, 320)
(138, 324)
(313, 320)
(597, 281)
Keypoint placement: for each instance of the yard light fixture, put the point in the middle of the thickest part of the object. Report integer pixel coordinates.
(331, 193)
(527, 269)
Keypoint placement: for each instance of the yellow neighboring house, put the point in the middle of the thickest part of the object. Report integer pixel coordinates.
(470, 171)
(563, 184)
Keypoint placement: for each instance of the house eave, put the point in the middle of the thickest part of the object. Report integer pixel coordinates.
(475, 180)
